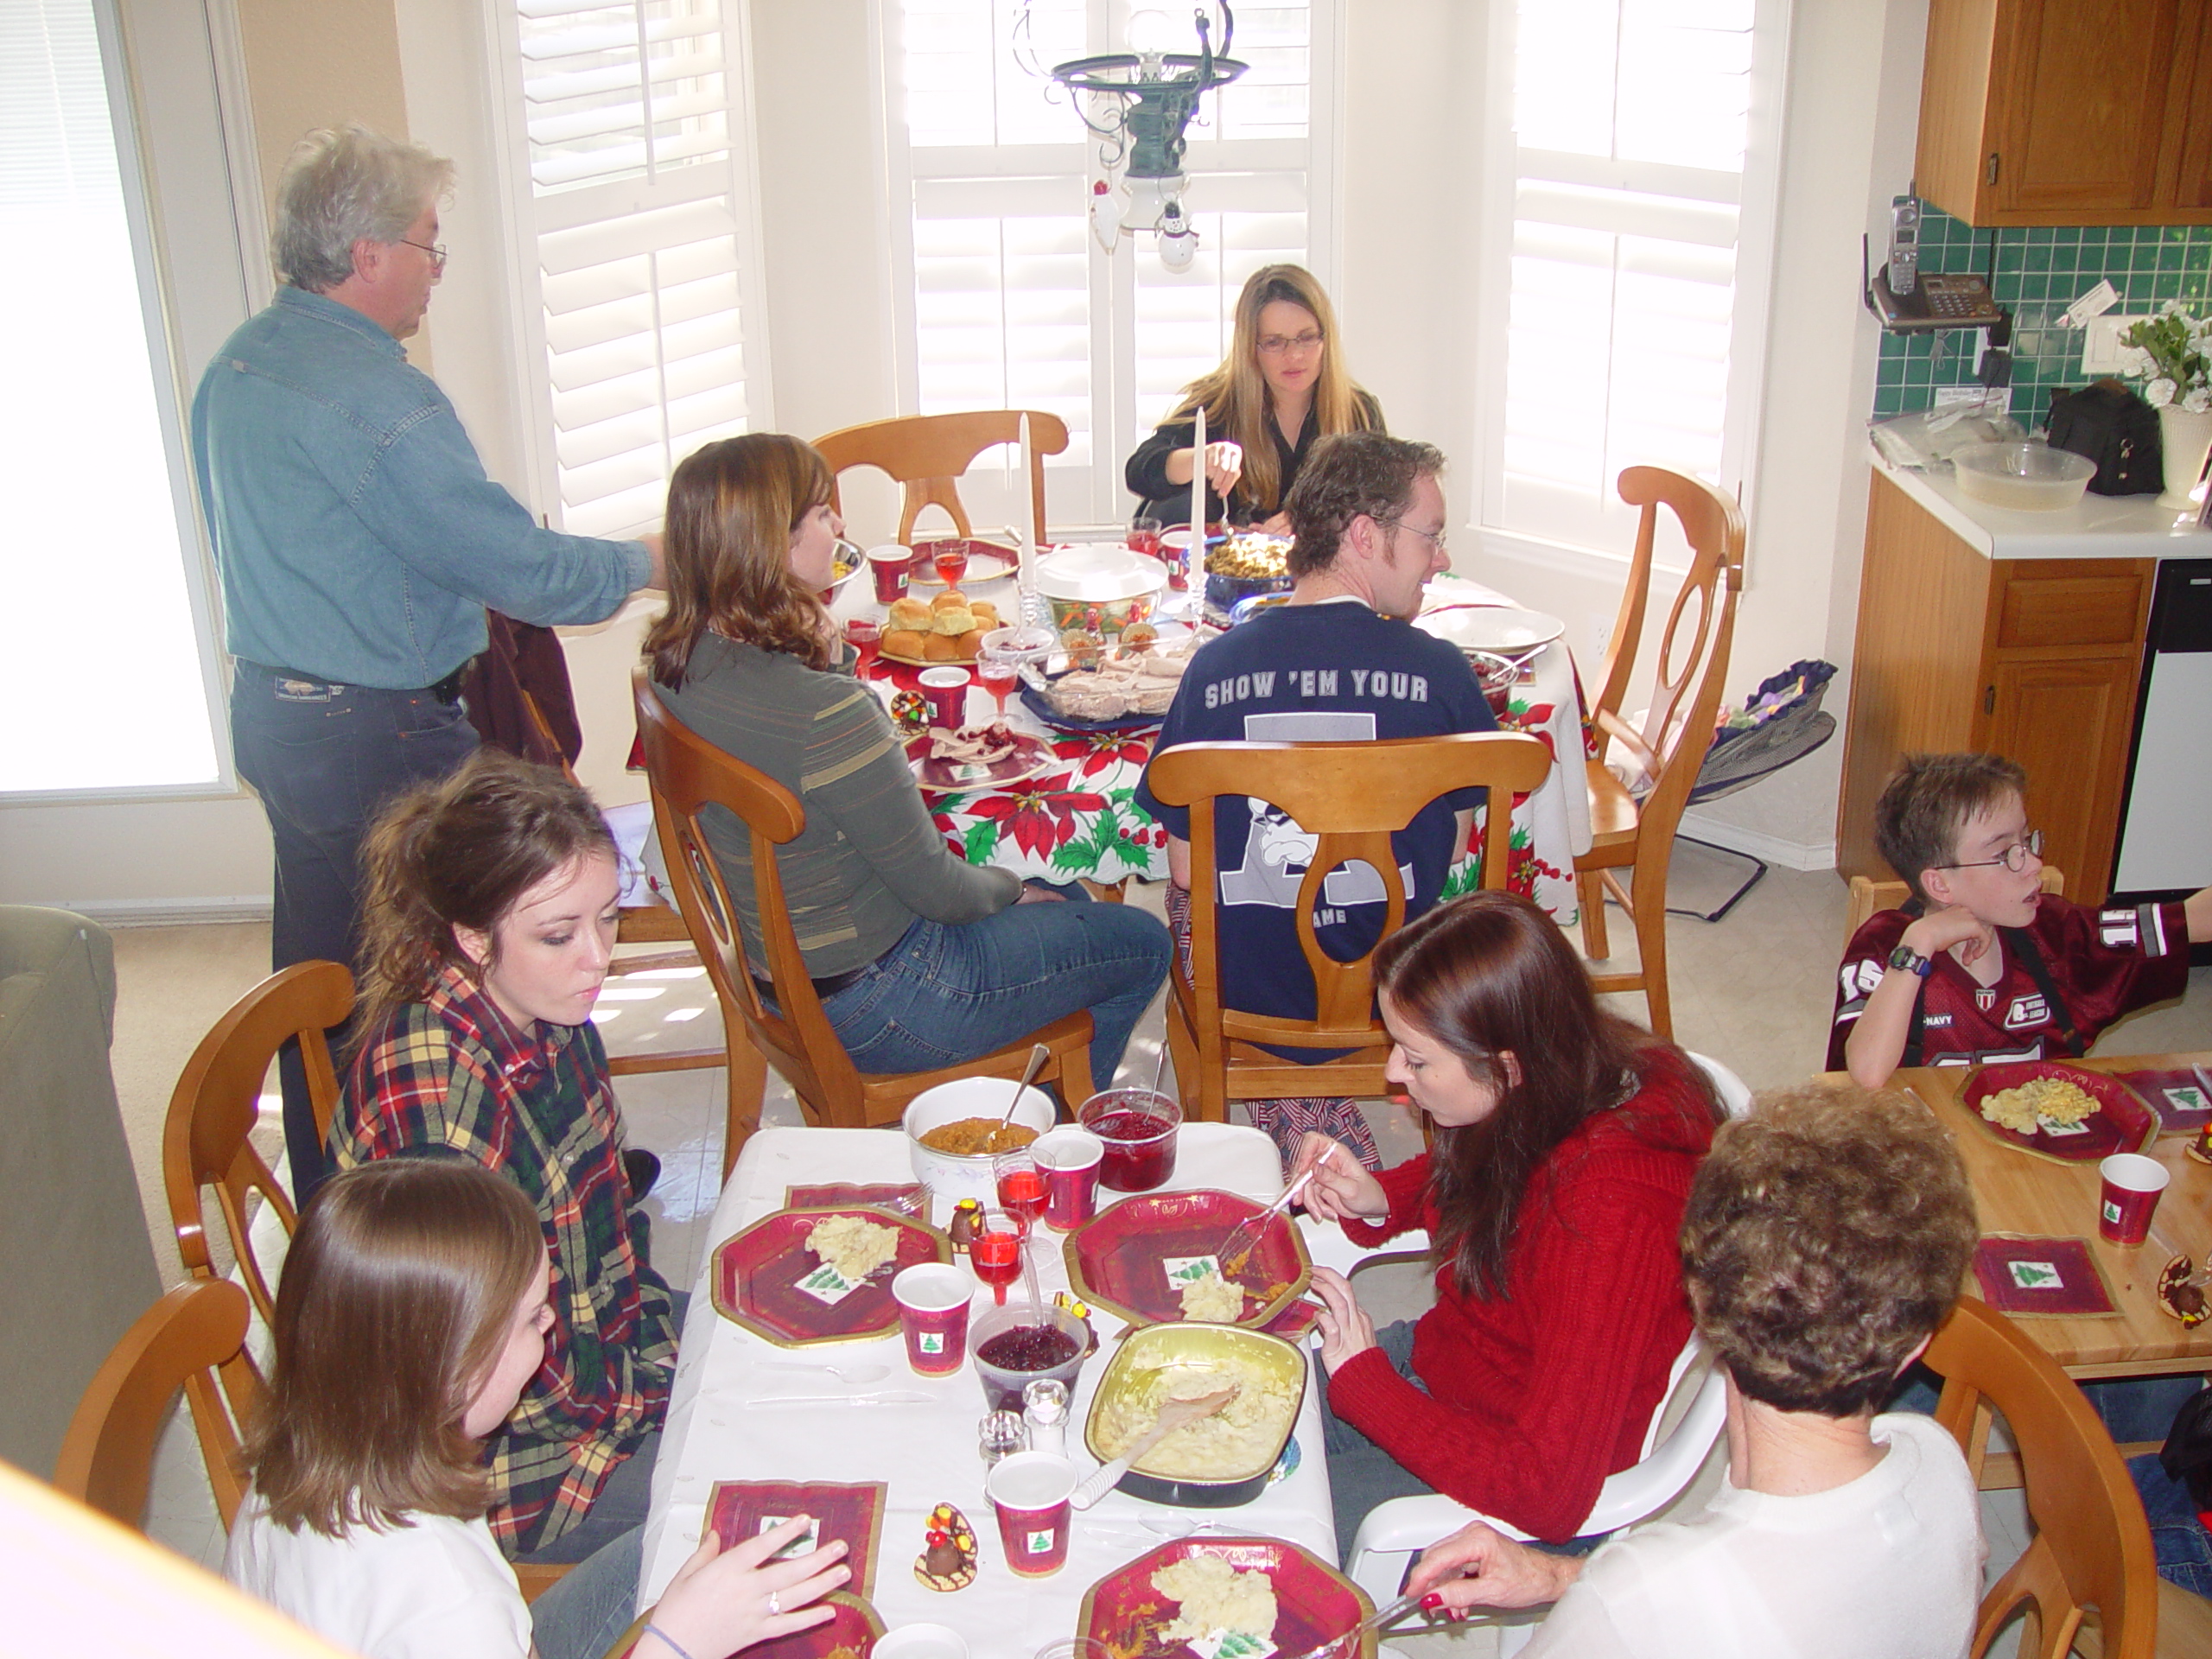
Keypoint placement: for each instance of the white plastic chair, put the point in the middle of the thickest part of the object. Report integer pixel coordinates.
(1695, 1402)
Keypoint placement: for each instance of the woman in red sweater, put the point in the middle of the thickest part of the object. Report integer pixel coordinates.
(1564, 1142)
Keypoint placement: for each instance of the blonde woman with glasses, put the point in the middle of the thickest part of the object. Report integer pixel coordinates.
(1282, 385)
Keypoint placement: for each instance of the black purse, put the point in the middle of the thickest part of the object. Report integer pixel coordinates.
(2115, 428)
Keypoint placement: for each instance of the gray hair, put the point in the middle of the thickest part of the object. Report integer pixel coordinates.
(344, 185)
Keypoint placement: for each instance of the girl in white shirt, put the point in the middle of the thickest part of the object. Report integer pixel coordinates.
(411, 1312)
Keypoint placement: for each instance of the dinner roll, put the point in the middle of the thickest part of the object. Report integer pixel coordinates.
(909, 613)
(941, 648)
(903, 642)
(986, 613)
(951, 600)
(953, 619)
(970, 643)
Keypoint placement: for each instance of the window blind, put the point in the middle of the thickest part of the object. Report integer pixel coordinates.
(638, 210)
(1628, 326)
(1014, 303)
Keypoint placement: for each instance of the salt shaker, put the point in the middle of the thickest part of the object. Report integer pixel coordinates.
(1044, 1410)
(999, 1434)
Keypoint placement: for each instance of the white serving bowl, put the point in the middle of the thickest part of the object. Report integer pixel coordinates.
(2025, 477)
(952, 1178)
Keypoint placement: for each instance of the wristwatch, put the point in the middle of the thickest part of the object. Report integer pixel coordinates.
(1907, 960)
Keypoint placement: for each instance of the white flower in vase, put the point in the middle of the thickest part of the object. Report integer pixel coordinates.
(2199, 401)
(2159, 392)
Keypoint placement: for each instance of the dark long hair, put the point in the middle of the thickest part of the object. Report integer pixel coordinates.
(1489, 974)
(733, 507)
(396, 1297)
(460, 852)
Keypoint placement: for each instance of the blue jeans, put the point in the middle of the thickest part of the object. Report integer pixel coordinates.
(947, 994)
(586, 1608)
(323, 759)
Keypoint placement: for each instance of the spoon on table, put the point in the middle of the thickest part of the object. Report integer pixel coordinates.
(1038, 1056)
(854, 1375)
(1172, 1415)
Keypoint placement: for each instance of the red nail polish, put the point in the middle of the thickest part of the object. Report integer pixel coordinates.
(1431, 1602)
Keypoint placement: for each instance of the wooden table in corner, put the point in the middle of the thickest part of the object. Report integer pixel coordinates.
(2020, 1193)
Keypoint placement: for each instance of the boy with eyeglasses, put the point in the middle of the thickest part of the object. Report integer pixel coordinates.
(1981, 964)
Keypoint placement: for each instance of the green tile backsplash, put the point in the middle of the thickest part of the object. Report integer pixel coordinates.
(2040, 272)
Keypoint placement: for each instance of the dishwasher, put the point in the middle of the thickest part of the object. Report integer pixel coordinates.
(2165, 849)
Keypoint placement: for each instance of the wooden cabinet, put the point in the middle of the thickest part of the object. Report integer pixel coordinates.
(2068, 112)
(2034, 659)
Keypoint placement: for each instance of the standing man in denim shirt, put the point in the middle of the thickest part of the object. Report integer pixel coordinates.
(359, 541)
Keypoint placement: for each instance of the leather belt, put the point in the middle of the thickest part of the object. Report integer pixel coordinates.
(447, 691)
(828, 985)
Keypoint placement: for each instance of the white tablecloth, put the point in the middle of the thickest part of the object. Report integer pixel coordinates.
(927, 1453)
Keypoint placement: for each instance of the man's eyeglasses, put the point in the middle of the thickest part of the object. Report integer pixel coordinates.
(2013, 858)
(437, 252)
(1276, 344)
(1433, 538)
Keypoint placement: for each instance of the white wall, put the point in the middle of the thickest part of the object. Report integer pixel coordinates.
(1412, 160)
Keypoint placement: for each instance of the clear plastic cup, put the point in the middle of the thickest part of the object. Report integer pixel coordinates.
(1138, 1127)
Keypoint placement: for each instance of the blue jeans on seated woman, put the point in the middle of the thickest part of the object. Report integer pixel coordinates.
(946, 994)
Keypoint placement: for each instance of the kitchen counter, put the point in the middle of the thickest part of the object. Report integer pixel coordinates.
(2099, 527)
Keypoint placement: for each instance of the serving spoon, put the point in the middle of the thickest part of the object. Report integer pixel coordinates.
(1172, 1415)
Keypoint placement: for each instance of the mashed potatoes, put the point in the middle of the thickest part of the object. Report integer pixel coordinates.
(1240, 1439)
(1216, 1596)
(853, 1245)
(1212, 1297)
(2043, 1100)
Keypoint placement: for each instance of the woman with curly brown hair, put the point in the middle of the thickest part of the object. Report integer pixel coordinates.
(1282, 385)
(489, 919)
(922, 960)
(1564, 1140)
(1823, 1243)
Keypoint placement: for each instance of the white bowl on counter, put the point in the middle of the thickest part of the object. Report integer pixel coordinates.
(2021, 476)
(953, 1178)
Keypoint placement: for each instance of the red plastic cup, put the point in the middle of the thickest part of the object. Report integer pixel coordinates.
(1138, 1127)
(864, 637)
(2132, 1185)
(932, 1298)
(1070, 1159)
(890, 565)
(1030, 1491)
(946, 690)
(1175, 548)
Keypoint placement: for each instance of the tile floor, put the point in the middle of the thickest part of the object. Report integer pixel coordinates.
(1752, 991)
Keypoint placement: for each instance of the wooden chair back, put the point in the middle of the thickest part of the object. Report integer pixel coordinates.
(925, 453)
(1351, 797)
(2091, 1547)
(206, 1141)
(193, 1338)
(688, 775)
(1870, 898)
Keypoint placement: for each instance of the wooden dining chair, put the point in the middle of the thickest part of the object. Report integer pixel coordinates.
(1868, 899)
(193, 1338)
(2092, 1546)
(1351, 797)
(207, 1139)
(1634, 830)
(924, 455)
(688, 775)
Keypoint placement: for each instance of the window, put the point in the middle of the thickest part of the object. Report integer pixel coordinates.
(1633, 196)
(629, 126)
(1012, 302)
(108, 674)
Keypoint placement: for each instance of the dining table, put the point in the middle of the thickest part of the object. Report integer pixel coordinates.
(1077, 818)
(2022, 1195)
(921, 1440)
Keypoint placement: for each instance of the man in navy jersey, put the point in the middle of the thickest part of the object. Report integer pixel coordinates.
(1340, 662)
(1983, 965)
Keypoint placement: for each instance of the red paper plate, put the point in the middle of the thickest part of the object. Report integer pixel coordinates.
(853, 1629)
(2183, 1099)
(1119, 1259)
(2120, 1123)
(1031, 758)
(1314, 1603)
(757, 1273)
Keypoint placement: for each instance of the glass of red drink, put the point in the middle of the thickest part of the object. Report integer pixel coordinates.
(1020, 1187)
(995, 1251)
(1138, 1126)
(1144, 538)
(998, 679)
(864, 637)
(1029, 1490)
(952, 560)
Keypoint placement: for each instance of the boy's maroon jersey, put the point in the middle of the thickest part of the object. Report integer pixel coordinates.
(2101, 962)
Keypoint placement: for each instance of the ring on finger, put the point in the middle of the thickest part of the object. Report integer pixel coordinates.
(775, 1607)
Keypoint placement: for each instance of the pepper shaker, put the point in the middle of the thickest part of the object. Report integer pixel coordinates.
(999, 1434)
